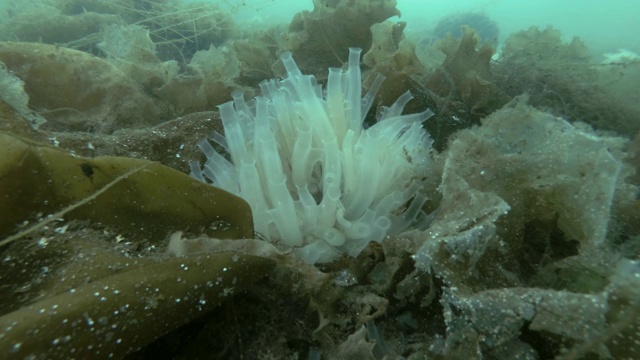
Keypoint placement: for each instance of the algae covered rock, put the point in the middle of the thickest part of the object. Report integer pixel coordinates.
(12, 95)
(74, 90)
(562, 75)
(13, 121)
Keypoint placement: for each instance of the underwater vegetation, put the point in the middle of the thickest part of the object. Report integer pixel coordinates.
(493, 215)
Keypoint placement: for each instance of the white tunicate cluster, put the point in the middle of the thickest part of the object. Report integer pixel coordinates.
(316, 179)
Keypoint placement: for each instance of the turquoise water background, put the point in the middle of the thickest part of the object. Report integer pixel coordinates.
(605, 26)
